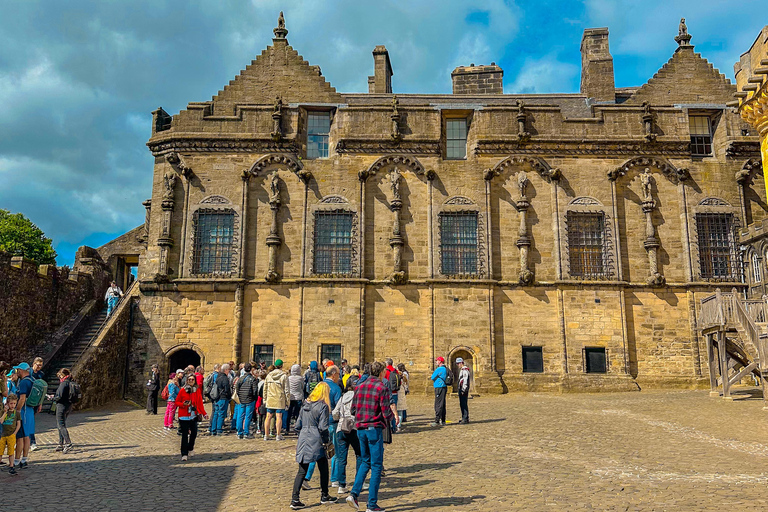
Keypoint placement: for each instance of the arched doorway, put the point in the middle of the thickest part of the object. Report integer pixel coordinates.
(466, 355)
(183, 358)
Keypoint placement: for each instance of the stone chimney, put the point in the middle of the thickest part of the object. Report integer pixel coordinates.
(381, 81)
(597, 65)
(478, 79)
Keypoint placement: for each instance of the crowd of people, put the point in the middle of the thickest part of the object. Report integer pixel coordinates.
(24, 389)
(330, 408)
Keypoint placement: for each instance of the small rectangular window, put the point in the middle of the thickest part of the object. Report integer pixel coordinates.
(586, 235)
(333, 242)
(331, 351)
(458, 242)
(717, 246)
(318, 128)
(264, 354)
(533, 360)
(595, 360)
(456, 139)
(214, 242)
(701, 135)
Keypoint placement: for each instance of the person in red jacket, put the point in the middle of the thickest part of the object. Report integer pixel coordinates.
(190, 407)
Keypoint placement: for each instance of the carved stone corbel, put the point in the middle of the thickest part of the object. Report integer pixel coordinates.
(273, 239)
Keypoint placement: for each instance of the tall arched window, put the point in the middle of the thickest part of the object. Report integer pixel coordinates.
(757, 273)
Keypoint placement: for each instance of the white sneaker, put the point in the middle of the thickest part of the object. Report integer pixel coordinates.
(280, 438)
(343, 490)
(305, 485)
(32, 447)
(191, 453)
(334, 484)
(184, 458)
(266, 437)
(366, 487)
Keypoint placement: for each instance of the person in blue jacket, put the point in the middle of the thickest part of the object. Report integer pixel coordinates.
(439, 381)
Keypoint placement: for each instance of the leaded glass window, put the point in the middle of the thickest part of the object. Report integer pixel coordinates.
(586, 244)
(331, 351)
(456, 139)
(458, 242)
(717, 248)
(318, 128)
(756, 269)
(701, 135)
(333, 242)
(214, 241)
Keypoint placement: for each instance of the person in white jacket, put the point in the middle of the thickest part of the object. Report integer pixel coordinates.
(346, 435)
(113, 296)
(463, 390)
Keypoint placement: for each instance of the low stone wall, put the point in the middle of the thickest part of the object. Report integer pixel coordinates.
(101, 370)
(36, 300)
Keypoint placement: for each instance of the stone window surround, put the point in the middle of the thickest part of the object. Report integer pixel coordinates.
(453, 114)
(586, 204)
(337, 204)
(711, 205)
(461, 204)
(304, 111)
(213, 203)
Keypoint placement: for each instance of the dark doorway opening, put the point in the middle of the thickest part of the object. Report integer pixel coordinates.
(467, 357)
(183, 358)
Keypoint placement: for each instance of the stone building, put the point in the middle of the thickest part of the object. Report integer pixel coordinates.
(554, 241)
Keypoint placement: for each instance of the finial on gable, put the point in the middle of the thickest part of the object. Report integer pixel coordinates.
(683, 38)
(280, 31)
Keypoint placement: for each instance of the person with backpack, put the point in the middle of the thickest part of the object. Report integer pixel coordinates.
(246, 390)
(67, 394)
(393, 380)
(220, 395)
(296, 388)
(346, 434)
(463, 390)
(441, 379)
(26, 414)
(312, 377)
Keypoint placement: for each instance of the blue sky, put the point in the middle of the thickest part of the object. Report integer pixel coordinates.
(78, 79)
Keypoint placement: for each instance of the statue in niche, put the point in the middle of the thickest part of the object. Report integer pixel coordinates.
(274, 188)
(522, 183)
(169, 180)
(394, 179)
(646, 181)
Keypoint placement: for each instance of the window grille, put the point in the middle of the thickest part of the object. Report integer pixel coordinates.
(456, 139)
(533, 360)
(332, 352)
(717, 249)
(318, 128)
(458, 242)
(214, 242)
(333, 242)
(264, 354)
(701, 135)
(595, 360)
(586, 244)
(756, 269)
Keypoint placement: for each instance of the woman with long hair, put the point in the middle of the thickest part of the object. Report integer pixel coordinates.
(312, 427)
(191, 409)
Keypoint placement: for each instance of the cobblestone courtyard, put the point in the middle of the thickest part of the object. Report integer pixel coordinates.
(633, 451)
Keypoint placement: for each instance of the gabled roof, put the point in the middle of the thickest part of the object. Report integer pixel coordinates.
(686, 78)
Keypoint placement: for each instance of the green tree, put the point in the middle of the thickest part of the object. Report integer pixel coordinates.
(20, 237)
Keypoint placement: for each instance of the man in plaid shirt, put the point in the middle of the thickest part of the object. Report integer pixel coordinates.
(372, 412)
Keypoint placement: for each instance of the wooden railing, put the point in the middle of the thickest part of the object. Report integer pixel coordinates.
(743, 320)
(716, 310)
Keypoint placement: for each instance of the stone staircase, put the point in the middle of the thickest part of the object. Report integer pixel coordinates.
(70, 357)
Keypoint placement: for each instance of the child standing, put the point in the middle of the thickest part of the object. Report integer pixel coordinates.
(11, 422)
(173, 390)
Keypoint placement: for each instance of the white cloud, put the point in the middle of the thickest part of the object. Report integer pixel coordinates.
(542, 75)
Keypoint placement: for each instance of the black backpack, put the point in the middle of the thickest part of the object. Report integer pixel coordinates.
(75, 393)
(448, 377)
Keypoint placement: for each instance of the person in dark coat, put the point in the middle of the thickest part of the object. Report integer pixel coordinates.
(153, 388)
(63, 408)
(312, 427)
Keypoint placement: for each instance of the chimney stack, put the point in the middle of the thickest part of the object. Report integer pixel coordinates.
(478, 79)
(381, 81)
(597, 79)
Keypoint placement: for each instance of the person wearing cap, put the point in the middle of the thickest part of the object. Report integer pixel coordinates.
(439, 378)
(277, 395)
(463, 390)
(26, 414)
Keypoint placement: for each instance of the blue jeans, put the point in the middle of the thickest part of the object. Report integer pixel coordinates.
(244, 415)
(217, 420)
(344, 441)
(111, 304)
(393, 423)
(371, 458)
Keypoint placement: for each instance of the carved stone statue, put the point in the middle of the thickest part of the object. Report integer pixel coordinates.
(169, 180)
(683, 38)
(274, 188)
(279, 105)
(395, 104)
(395, 116)
(280, 31)
(682, 29)
(522, 183)
(647, 182)
(277, 120)
(394, 179)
